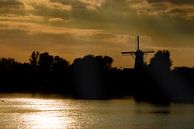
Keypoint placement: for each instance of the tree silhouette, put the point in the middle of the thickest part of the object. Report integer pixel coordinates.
(7, 64)
(160, 78)
(60, 64)
(92, 77)
(45, 62)
(108, 62)
(161, 60)
(34, 58)
(89, 75)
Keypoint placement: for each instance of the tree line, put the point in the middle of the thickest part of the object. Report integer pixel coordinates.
(93, 77)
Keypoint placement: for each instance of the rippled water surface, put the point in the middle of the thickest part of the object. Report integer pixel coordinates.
(24, 112)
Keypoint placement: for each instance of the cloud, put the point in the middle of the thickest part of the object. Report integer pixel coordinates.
(93, 4)
(33, 28)
(33, 7)
(55, 19)
(103, 36)
(11, 6)
(22, 19)
(47, 4)
(179, 8)
(173, 1)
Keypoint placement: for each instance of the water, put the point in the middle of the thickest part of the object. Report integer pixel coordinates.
(26, 112)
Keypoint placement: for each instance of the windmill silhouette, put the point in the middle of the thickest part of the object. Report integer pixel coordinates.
(138, 55)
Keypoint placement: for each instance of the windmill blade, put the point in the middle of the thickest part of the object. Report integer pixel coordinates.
(132, 52)
(138, 42)
(148, 51)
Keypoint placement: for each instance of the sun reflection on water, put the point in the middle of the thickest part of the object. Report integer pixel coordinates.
(40, 113)
(50, 114)
(48, 121)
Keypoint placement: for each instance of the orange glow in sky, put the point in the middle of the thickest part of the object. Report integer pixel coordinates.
(75, 28)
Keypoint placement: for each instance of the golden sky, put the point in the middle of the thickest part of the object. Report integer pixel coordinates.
(74, 28)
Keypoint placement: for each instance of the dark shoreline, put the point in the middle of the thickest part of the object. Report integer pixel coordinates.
(61, 96)
(93, 77)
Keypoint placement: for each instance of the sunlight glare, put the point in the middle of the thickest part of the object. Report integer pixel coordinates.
(47, 115)
(49, 121)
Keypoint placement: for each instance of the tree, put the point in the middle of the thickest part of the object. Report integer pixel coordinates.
(108, 62)
(45, 62)
(7, 64)
(60, 64)
(90, 73)
(34, 58)
(161, 61)
(160, 88)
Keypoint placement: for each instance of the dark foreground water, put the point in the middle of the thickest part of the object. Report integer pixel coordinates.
(24, 112)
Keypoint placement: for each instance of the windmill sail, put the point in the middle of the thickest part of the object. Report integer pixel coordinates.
(138, 55)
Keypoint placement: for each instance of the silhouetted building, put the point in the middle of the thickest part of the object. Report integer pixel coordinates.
(138, 55)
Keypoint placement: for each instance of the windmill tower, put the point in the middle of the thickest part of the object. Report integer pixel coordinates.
(138, 55)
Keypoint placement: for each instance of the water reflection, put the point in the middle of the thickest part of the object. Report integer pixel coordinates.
(33, 113)
(151, 108)
(23, 113)
(48, 121)
(51, 114)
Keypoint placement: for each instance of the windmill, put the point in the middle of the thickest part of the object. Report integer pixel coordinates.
(138, 55)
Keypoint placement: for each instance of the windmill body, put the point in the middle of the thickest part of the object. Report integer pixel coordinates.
(138, 55)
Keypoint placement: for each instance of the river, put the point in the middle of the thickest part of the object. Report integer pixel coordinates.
(29, 112)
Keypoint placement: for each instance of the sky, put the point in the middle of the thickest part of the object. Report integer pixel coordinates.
(75, 28)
